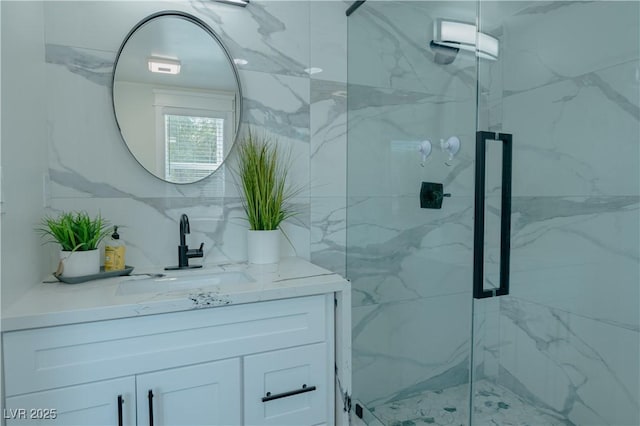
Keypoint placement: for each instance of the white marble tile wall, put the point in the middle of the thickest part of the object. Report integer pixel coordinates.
(583, 368)
(328, 128)
(328, 167)
(398, 251)
(307, 114)
(390, 125)
(569, 332)
(403, 348)
(389, 48)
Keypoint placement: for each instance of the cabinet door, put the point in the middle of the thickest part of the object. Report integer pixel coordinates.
(203, 394)
(108, 402)
(288, 387)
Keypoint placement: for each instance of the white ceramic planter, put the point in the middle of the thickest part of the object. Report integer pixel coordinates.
(263, 246)
(80, 263)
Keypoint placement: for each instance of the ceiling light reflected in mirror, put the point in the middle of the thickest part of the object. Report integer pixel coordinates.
(241, 3)
(313, 70)
(164, 66)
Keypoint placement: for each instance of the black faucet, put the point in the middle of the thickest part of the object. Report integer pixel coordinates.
(183, 249)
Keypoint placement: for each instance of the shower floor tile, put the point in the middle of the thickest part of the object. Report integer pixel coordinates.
(493, 405)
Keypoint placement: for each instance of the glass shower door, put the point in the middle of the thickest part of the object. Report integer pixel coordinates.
(410, 267)
(562, 346)
(561, 98)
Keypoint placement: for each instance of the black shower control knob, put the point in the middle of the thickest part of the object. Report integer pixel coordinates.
(431, 195)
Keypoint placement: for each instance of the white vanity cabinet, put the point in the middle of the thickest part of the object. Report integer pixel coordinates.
(203, 394)
(108, 402)
(262, 363)
(292, 386)
(195, 395)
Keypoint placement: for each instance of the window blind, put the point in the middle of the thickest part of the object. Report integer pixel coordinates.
(194, 146)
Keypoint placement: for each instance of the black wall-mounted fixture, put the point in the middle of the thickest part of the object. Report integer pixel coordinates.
(354, 6)
(431, 195)
(241, 3)
(505, 220)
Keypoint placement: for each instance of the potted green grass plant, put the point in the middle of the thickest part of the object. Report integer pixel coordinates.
(263, 172)
(78, 235)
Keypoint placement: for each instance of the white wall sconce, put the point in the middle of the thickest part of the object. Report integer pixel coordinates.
(460, 35)
(164, 66)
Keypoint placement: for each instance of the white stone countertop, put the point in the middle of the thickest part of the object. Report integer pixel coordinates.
(54, 303)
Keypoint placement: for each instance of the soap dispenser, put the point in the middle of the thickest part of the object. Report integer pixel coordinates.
(114, 252)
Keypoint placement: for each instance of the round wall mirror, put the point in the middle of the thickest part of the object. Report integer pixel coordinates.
(176, 97)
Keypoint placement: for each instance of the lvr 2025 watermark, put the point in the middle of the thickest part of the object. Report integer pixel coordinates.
(30, 413)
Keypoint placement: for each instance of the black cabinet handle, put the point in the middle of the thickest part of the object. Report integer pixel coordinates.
(120, 402)
(303, 389)
(505, 221)
(150, 396)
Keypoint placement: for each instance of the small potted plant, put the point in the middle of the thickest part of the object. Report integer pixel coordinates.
(78, 235)
(263, 172)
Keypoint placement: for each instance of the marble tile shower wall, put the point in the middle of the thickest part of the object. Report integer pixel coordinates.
(280, 39)
(569, 332)
(410, 267)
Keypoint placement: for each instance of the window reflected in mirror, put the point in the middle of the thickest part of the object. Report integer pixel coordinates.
(193, 146)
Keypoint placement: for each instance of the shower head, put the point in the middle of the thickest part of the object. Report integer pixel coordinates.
(443, 55)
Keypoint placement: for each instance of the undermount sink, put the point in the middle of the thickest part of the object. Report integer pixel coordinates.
(179, 283)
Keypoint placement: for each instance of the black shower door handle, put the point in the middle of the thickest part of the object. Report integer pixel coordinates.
(505, 220)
